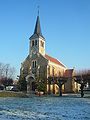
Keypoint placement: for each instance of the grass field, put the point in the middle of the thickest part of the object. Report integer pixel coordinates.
(12, 94)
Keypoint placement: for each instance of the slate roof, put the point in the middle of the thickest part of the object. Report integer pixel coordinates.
(54, 60)
(37, 27)
(37, 30)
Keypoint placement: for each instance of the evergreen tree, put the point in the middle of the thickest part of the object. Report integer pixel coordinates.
(22, 84)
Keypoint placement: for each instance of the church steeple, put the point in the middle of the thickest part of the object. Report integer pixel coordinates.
(37, 41)
(37, 27)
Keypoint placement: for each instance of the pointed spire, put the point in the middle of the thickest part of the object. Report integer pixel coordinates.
(38, 10)
(37, 26)
(37, 30)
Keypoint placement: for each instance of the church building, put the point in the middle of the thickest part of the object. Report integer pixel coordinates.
(38, 66)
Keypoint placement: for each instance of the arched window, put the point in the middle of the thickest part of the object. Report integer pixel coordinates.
(42, 44)
(48, 70)
(34, 64)
(53, 71)
(32, 43)
(35, 42)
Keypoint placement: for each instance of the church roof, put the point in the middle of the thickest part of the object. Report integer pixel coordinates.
(54, 60)
(38, 27)
(37, 30)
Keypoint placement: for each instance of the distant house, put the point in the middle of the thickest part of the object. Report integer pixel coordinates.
(40, 65)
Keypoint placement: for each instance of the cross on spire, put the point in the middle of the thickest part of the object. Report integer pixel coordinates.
(38, 9)
(37, 30)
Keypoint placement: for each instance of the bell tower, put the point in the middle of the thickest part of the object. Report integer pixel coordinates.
(37, 41)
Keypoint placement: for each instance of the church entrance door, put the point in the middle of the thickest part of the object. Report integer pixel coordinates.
(30, 84)
(33, 86)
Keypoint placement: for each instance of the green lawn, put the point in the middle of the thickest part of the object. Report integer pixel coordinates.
(12, 94)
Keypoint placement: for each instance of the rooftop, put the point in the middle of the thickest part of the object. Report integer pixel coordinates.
(54, 60)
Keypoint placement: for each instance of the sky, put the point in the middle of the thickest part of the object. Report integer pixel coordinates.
(65, 24)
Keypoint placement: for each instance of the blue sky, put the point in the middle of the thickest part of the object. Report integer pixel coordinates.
(65, 25)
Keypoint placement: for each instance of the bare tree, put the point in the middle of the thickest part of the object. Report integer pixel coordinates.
(6, 74)
(1, 70)
(6, 71)
(9, 71)
(82, 77)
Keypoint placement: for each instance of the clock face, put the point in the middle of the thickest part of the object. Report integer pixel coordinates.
(34, 50)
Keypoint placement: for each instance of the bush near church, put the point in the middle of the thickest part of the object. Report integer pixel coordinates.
(22, 84)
